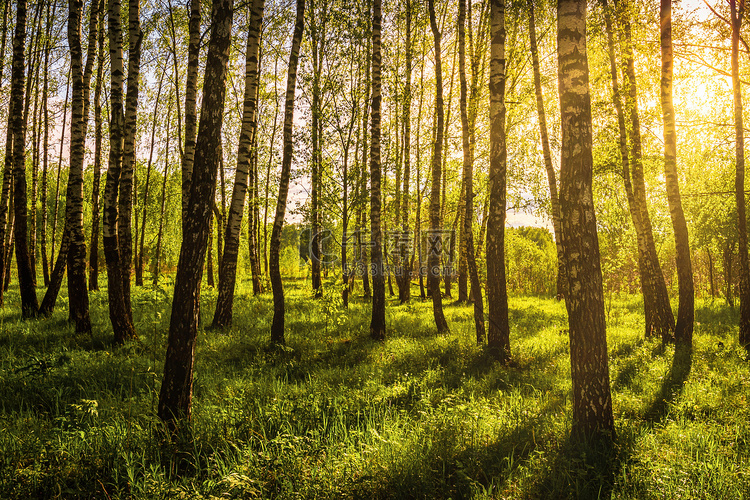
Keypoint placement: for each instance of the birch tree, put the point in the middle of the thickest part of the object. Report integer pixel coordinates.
(377, 321)
(274, 270)
(737, 12)
(546, 152)
(191, 99)
(175, 396)
(125, 213)
(498, 335)
(17, 127)
(119, 315)
(686, 309)
(80, 103)
(228, 270)
(659, 319)
(98, 134)
(403, 275)
(584, 298)
(468, 179)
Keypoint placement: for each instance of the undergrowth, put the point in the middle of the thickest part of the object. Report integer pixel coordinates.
(336, 415)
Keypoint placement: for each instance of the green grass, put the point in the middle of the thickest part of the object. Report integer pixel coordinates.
(335, 415)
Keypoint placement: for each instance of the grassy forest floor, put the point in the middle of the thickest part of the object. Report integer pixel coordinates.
(335, 415)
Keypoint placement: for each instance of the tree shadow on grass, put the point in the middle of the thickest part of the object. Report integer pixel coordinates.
(48, 384)
(585, 469)
(673, 384)
(715, 314)
(627, 375)
(448, 466)
(44, 335)
(296, 361)
(452, 469)
(530, 320)
(458, 363)
(628, 348)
